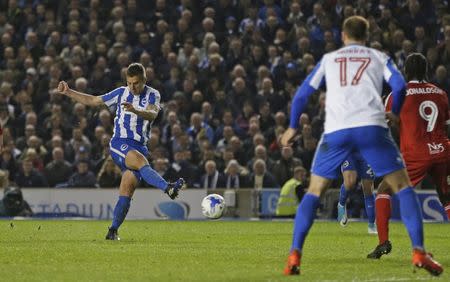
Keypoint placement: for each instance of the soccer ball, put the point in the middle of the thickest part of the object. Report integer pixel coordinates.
(213, 206)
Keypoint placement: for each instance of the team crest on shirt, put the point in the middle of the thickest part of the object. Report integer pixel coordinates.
(143, 102)
(123, 147)
(345, 164)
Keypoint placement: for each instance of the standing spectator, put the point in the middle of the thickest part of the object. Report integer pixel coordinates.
(292, 193)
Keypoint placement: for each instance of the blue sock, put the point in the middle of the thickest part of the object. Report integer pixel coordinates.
(369, 201)
(120, 211)
(411, 216)
(153, 178)
(304, 218)
(342, 195)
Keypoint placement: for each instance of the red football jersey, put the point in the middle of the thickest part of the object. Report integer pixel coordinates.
(423, 122)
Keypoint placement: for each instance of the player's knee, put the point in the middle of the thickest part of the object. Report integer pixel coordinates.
(349, 182)
(398, 180)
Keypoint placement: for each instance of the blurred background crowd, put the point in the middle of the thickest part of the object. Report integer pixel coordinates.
(226, 71)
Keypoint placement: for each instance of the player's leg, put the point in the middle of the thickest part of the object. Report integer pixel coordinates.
(383, 214)
(350, 176)
(330, 154)
(135, 160)
(440, 172)
(128, 184)
(369, 203)
(304, 218)
(366, 174)
(379, 150)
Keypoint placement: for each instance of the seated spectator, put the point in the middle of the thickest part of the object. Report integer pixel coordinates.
(212, 179)
(109, 175)
(8, 163)
(58, 170)
(13, 203)
(235, 176)
(284, 167)
(260, 152)
(29, 177)
(161, 166)
(83, 177)
(199, 128)
(261, 178)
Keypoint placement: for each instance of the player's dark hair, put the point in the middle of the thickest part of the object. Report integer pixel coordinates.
(356, 27)
(136, 69)
(416, 67)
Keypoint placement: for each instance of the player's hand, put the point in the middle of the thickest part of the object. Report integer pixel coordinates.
(392, 119)
(288, 136)
(128, 107)
(63, 87)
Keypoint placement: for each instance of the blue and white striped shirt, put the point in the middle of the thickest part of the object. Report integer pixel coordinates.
(128, 125)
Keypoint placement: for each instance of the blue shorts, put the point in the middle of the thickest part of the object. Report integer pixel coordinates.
(119, 147)
(356, 162)
(375, 144)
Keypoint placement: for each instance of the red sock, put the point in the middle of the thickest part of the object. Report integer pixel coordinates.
(383, 214)
(447, 210)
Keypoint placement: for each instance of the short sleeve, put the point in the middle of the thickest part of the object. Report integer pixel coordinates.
(316, 77)
(388, 103)
(112, 98)
(155, 99)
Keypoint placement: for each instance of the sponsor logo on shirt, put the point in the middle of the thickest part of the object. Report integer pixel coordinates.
(435, 148)
(123, 147)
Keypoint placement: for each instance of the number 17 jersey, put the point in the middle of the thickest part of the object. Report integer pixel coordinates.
(354, 77)
(423, 122)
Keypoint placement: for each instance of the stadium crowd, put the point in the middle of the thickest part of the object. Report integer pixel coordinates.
(226, 71)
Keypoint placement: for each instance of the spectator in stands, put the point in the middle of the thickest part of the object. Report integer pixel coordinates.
(235, 176)
(196, 58)
(29, 177)
(8, 163)
(83, 177)
(109, 175)
(200, 129)
(284, 167)
(161, 166)
(212, 179)
(260, 177)
(260, 152)
(58, 170)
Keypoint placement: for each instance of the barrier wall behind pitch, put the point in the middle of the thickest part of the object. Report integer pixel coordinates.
(99, 203)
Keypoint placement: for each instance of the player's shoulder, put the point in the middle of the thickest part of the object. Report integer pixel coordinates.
(415, 87)
(119, 90)
(358, 50)
(152, 91)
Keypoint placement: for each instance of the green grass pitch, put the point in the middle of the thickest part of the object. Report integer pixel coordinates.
(205, 251)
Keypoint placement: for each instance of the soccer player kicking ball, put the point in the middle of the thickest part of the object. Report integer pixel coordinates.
(355, 121)
(353, 168)
(137, 105)
(423, 143)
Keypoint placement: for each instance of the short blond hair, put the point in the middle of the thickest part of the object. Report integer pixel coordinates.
(356, 27)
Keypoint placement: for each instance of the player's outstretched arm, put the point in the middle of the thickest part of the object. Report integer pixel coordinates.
(82, 98)
(150, 113)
